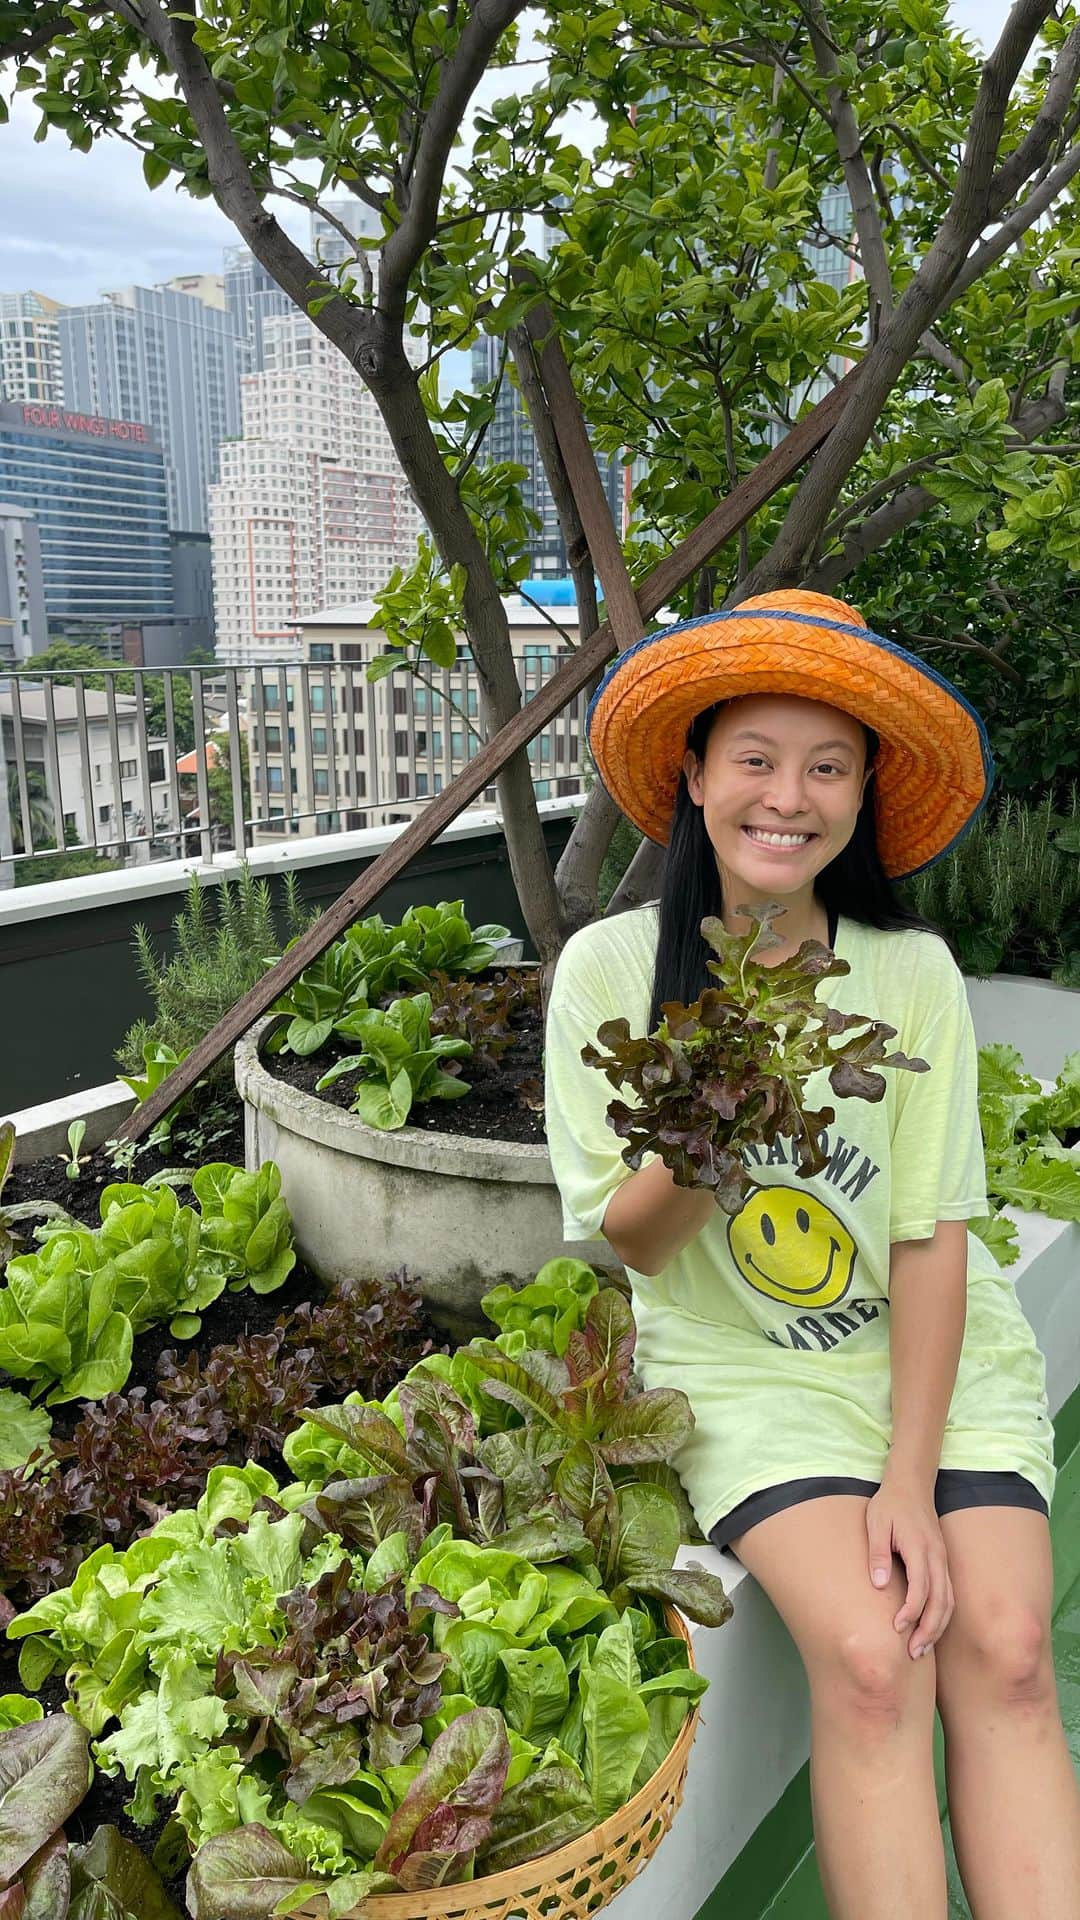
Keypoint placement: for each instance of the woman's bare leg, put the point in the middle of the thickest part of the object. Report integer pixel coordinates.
(876, 1822)
(1013, 1795)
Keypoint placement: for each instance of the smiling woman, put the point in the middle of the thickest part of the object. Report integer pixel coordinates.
(775, 807)
(863, 1381)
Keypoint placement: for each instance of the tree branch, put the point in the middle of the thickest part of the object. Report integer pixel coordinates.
(171, 31)
(880, 526)
(460, 75)
(875, 263)
(1019, 221)
(939, 351)
(1038, 141)
(52, 23)
(967, 644)
(927, 294)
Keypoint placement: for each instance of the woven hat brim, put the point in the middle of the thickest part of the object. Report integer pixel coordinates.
(934, 768)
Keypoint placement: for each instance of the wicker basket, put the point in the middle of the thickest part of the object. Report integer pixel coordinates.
(575, 1880)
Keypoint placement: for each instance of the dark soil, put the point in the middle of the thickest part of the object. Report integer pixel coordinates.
(505, 1102)
(217, 1135)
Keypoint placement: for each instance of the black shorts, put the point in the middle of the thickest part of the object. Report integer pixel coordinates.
(956, 1487)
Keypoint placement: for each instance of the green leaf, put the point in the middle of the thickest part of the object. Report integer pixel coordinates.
(616, 1726)
(999, 1233)
(155, 169)
(106, 1370)
(537, 1692)
(646, 1533)
(24, 1429)
(385, 1106)
(16, 1709)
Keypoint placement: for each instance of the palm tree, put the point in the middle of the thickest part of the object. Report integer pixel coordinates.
(39, 805)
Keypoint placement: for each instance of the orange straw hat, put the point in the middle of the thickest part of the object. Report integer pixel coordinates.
(933, 769)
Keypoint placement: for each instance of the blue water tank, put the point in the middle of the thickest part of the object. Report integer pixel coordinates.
(551, 593)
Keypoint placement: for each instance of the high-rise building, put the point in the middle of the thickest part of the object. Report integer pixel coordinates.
(330, 751)
(96, 489)
(252, 296)
(22, 586)
(510, 437)
(207, 287)
(168, 358)
(312, 508)
(30, 349)
(329, 247)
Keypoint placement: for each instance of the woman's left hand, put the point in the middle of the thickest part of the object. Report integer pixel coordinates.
(901, 1519)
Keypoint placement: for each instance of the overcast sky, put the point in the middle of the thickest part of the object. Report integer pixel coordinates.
(76, 224)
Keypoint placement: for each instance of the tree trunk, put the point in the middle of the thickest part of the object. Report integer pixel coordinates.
(642, 880)
(393, 382)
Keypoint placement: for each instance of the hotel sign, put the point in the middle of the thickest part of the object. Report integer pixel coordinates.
(67, 420)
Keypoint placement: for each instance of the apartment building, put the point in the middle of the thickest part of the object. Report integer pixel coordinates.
(23, 626)
(30, 365)
(331, 751)
(168, 356)
(312, 509)
(71, 762)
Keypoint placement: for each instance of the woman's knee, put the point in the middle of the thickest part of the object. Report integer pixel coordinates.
(865, 1675)
(1002, 1648)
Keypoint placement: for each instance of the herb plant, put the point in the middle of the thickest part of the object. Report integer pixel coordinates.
(399, 1062)
(220, 940)
(371, 963)
(731, 1069)
(1009, 892)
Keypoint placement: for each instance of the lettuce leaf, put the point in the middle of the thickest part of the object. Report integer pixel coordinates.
(447, 1812)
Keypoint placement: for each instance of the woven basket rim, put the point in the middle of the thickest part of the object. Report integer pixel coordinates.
(589, 1849)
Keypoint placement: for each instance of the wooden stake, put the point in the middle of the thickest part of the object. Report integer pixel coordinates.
(674, 570)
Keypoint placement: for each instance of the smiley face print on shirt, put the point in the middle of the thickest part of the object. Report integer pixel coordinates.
(789, 1246)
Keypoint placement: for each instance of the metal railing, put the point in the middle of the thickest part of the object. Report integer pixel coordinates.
(132, 764)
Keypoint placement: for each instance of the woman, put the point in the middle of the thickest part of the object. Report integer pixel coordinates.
(871, 1433)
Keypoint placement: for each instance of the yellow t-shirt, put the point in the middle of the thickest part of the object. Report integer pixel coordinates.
(775, 1324)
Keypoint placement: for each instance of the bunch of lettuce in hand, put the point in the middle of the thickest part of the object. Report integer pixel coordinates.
(730, 1070)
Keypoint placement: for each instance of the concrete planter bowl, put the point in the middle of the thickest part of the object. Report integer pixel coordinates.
(462, 1215)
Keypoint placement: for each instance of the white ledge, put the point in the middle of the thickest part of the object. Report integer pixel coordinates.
(91, 891)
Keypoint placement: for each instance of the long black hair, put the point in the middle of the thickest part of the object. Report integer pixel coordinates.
(854, 883)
